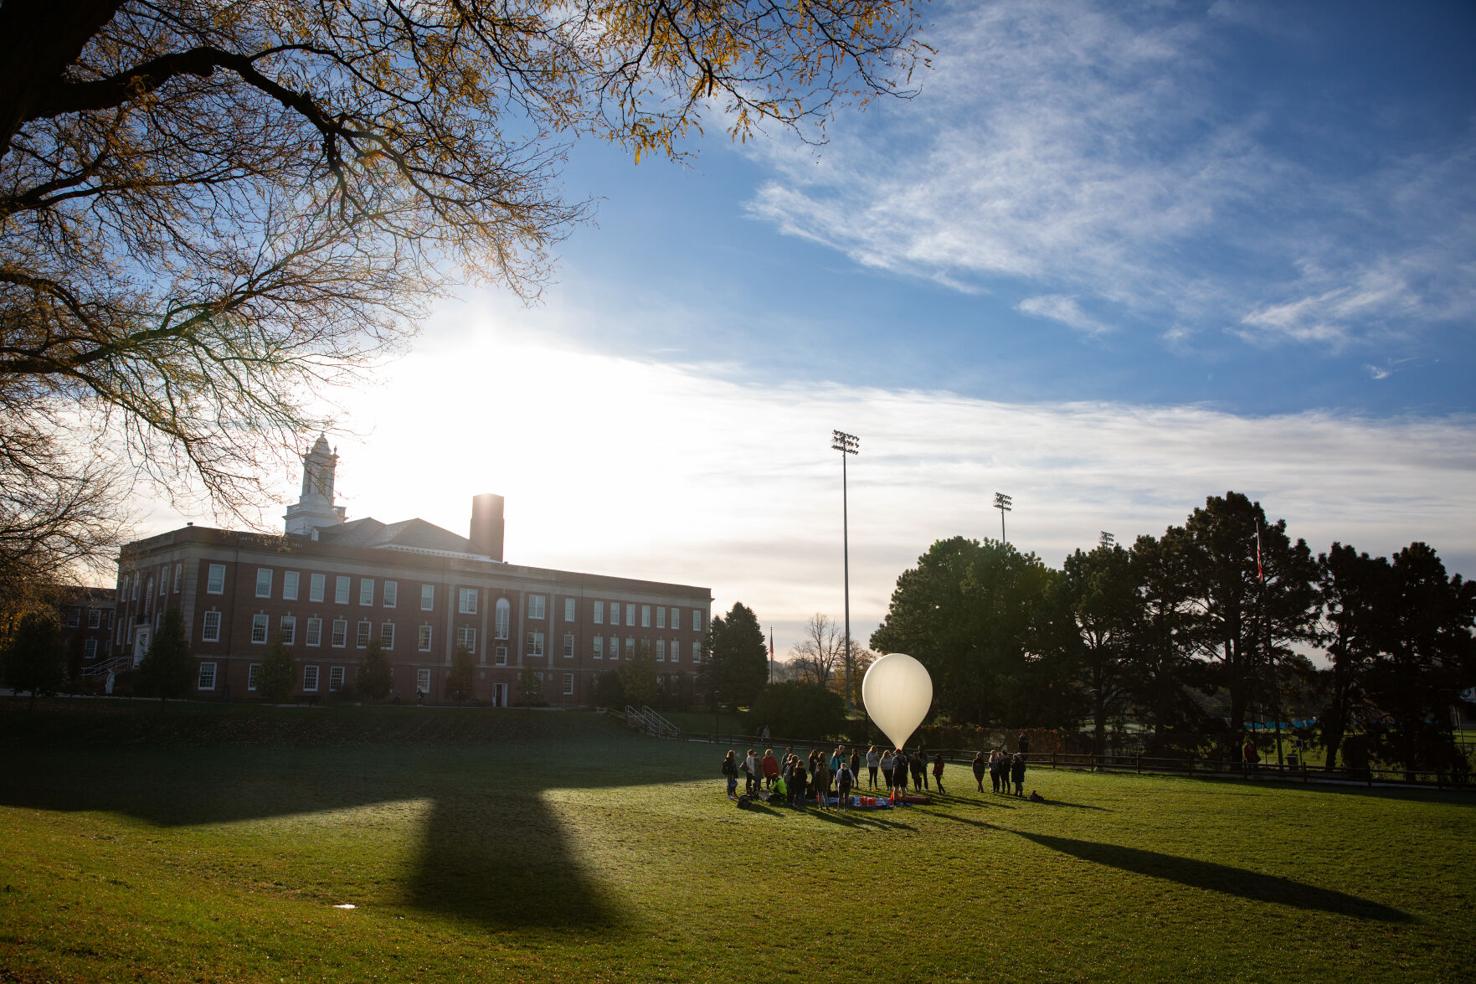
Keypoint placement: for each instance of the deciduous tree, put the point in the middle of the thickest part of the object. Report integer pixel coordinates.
(277, 677)
(33, 655)
(374, 679)
(462, 680)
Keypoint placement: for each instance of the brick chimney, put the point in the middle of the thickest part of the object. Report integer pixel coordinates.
(487, 525)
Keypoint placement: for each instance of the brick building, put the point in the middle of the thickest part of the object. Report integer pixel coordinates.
(86, 616)
(329, 585)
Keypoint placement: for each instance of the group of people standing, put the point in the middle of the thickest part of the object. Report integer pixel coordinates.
(1004, 768)
(817, 776)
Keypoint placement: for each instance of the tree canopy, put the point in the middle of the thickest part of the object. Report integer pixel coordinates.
(167, 669)
(737, 665)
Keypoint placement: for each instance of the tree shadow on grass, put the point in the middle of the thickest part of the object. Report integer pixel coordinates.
(493, 851)
(1214, 877)
(1074, 806)
(858, 818)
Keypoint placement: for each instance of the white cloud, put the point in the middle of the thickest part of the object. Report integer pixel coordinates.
(1083, 151)
(1063, 309)
(683, 473)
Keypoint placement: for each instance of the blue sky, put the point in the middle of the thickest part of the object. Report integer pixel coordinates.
(1112, 259)
(1256, 207)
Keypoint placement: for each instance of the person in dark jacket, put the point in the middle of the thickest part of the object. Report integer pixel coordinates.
(919, 764)
(979, 766)
(844, 780)
(798, 787)
(899, 772)
(938, 774)
(1022, 744)
(730, 770)
(1017, 773)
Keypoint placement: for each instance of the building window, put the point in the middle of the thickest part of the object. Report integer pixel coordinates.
(504, 612)
(630, 648)
(501, 656)
(263, 582)
(466, 601)
(214, 579)
(290, 581)
(259, 628)
(696, 620)
(568, 645)
(251, 672)
(207, 677)
(422, 682)
(466, 638)
(599, 613)
(660, 616)
(310, 678)
(89, 649)
(139, 578)
(599, 647)
(123, 589)
(361, 634)
(661, 650)
(341, 585)
(335, 679)
(676, 651)
(535, 643)
(568, 609)
(387, 635)
(427, 597)
(535, 607)
(315, 587)
(178, 577)
(340, 633)
(696, 652)
(391, 594)
(630, 614)
(366, 591)
(645, 616)
(94, 618)
(614, 613)
(210, 631)
(163, 580)
(568, 684)
(315, 631)
(423, 638)
(676, 618)
(288, 625)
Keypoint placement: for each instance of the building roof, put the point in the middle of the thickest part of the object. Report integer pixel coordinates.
(415, 534)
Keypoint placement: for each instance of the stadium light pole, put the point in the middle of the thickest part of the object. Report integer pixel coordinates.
(1107, 540)
(1004, 504)
(847, 445)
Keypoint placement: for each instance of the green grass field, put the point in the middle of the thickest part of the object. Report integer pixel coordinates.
(213, 844)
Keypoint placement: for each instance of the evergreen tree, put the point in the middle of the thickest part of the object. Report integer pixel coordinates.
(738, 656)
(33, 660)
(461, 681)
(167, 670)
(1097, 594)
(278, 675)
(1352, 588)
(374, 678)
(638, 676)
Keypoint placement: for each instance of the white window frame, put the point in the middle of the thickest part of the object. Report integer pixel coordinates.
(363, 632)
(94, 618)
(568, 685)
(342, 584)
(387, 636)
(630, 614)
(568, 645)
(310, 678)
(251, 672)
(630, 647)
(645, 616)
(163, 580)
(287, 627)
(210, 627)
(317, 585)
(661, 650)
(427, 597)
(503, 618)
(390, 596)
(314, 635)
(696, 652)
(291, 584)
(366, 592)
(696, 620)
(89, 649)
(660, 616)
(466, 601)
(423, 681)
(568, 609)
(214, 580)
(338, 633)
(599, 613)
(263, 583)
(178, 576)
(536, 607)
(676, 618)
(500, 655)
(260, 625)
(535, 643)
(466, 638)
(614, 613)
(423, 637)
(336, 677)
(598, 647)
(200, 683)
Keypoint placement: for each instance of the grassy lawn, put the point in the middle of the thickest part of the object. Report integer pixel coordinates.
(213, 844)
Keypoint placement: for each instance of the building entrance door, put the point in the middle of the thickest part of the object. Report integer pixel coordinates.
(499, 695)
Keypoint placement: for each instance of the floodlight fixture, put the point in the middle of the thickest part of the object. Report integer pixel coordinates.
(847, 445)
(1004, 504)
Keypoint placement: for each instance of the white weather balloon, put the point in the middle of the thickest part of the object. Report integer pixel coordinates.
(897, 692)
